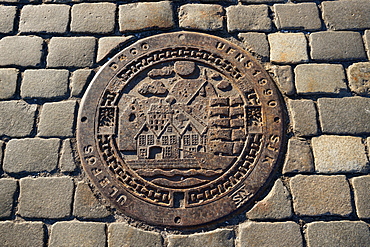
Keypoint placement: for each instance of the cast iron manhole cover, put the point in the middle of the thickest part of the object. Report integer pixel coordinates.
(180, 129)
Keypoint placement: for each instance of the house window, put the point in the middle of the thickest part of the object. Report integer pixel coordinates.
(142, 140)
(164, 140)
(167, 152)
(192, 149)
(194, 140)
(150, 139)
(186, 140)
(169, 129)
(142, 152)
(173, 139)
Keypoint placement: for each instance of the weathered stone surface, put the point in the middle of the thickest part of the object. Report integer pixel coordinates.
(337, 46)
(256, 43)
(302, 16)
(317, 195)
(8, 187)
(243, 18)
(17, 118)
(7, 16)
(217, 238)
(8, 82)
(44, 18)
(121, 234)
(93, 17)
(262, 1)
(71, 52)
(141, 16)
(79, 79)
(83, 234)
(299, 157)
(21, 50)
(21, 234)
(270, 234)
(344, 115)
(361, 187)
(86, 205)
(339, 154)
(359, 78)
(367, 42)
(338, 233)
(285, 79)
(276, 205)
(1, 154)
(288, 47)
(40, 155)
(319, 78)
(346, 15)
(44, 83)
(107, 44)
(207, 17)
(57, 119)
(303, 115)
(66, 161)
(45, 197)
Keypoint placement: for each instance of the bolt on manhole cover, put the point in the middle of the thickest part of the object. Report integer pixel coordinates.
(180, 129)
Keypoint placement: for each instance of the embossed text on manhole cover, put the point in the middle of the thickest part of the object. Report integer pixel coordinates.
(180, 129)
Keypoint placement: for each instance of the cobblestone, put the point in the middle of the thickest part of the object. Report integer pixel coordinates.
(217, 238)
(21, 234)
(301, 16)
(359, 78)
(337, 116)
(143, 16)
(317, 195)
(57, 119)
(338, 233)
(270, 234)
(93, 18)
(207, 17)
(17, 118)
(21, 50)
(367, 42)
(66, 161)
(339, 154)
(243, 18)
(299, 157)
(107, 44)
(45, 197)
(361, 187)
(7, 16)
(119, 233)
(44, 18)
(337, 46)
(346, 15)
(79, 80)
(320, 78)
(82, 234)
(7, 189)
(288, 48)
(303, 114)
(262, 1)
(284, 78)
(44, 83)
(71, 52)
(256, 43)
(8, 82)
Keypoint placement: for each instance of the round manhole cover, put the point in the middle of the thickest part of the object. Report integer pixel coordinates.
(180, 129)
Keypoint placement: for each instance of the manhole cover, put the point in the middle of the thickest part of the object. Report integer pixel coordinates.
(180, 129)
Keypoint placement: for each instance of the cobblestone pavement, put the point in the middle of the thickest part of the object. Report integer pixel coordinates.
(318, 53)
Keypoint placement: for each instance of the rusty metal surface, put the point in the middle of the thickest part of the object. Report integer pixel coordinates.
(180, 129)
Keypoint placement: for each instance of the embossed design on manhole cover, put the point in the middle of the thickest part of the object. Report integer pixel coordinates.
(180, 129)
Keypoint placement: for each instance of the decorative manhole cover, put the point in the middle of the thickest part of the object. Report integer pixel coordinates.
(180, 129)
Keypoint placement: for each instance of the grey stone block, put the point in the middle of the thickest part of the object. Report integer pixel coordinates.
(8, 82)
(93, 18)
(262, 1)
(21, 234)
(317, 195)
(57, 119)
(301, 16)
(338, 233)
(21, 50)
(288, 48)
(8, 187)
(143, 16)
(241, 18)
(45, 197)
(66, 161)
(256, 43)
(119, 233)
(303, 115)
(285, 79)
(337, 46)
(107, 44)
(346, 15)
(361, 187)
(339, 154)
(37, 155)
(44, 18)
(1, 154)
(280, 234)
(217, 238)
(344, 115)
(82, 234)
(7, 16)
(367, 42)
(207, 17)
(44, 83)
(359, 78)
(71, 52)
(299, 157)
(17, 118)
(276, 205)
(78, 81)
